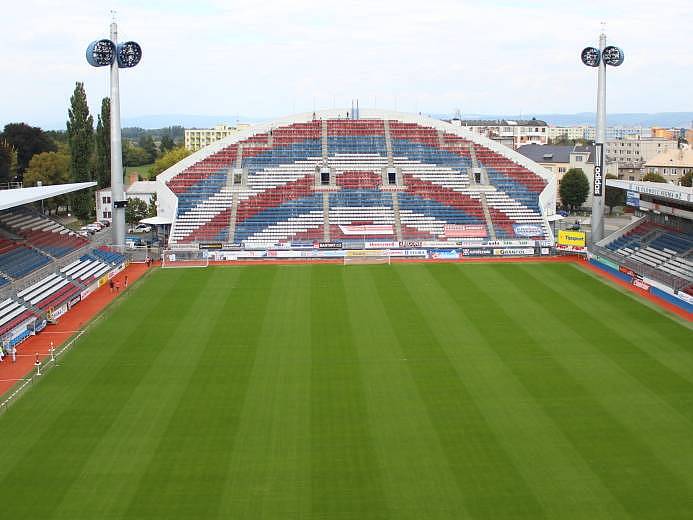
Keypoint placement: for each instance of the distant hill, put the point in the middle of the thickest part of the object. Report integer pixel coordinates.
(664, 119)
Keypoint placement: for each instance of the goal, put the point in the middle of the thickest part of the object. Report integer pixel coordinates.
(371, 259)
(184, 258)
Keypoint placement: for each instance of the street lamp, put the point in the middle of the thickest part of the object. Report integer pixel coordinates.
(600, 57)
(108, 52)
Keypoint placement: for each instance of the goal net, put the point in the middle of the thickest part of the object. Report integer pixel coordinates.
(184, 258)
(371, 259)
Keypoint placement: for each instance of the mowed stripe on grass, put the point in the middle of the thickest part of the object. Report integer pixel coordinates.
(403, 391)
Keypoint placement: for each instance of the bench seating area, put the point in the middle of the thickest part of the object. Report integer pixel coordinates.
(659, 247)
(280, 197)
(17, 260)
(12, 314)
(51, 291)
(40, 232)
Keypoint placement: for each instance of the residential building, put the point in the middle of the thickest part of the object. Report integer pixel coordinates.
(637, 150)
(567, 132)
(519, 132)
(143, 190)
(671, 164)
(559, 159)
(196, 138)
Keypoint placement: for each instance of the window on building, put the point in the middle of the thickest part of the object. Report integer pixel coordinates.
(392, 177)
(237, 178)
(561, 169)
(578, 158)
(325, 177)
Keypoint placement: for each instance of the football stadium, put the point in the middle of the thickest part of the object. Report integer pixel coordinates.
(356, 314)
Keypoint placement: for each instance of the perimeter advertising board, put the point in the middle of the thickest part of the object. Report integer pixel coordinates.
(575, 239)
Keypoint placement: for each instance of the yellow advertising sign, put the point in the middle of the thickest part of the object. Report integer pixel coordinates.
(571, 238)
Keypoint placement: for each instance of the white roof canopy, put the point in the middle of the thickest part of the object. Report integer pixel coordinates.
(21, 196)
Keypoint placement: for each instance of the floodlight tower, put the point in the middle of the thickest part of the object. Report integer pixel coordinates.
(601, 57)
(101, 53)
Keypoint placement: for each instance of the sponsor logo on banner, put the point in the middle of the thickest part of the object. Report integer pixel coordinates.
(632, 198)
(637, 282)
(545, 251)
(330, 245)
(464, 230)
(571, 238)
(477, 252)
(40, 325)
(449, 254)
(86, 292)
(684, 297)
(104, 279)
(74, 301)
(211, 245)
(56, 313)
(408, 252)
(409, 243)
(598, 169)
(513, 252)
(436, 244)
(528, 230)
(367, 229)
(627, 271)
(302, 244)
(380, 244)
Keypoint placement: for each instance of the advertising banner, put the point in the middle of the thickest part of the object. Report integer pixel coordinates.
(410, 243)
(607, 262)
(528, 230)
(598, 169)
(380, 244)
(74, 301)
(362, 252)
(214, 245)
(56, 313)
(571, 238)
(513, 251)
(464, 230)
(632, 199)
(483, 251)
(447, 254)
(640, 284)
(409, 252)
(367, 229)
(627, 271)
(330, 245)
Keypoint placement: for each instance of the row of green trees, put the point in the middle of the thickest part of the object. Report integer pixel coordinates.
(30, 155)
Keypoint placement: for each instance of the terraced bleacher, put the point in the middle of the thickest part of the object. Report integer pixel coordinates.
(40, 232)
(664, 249)
(282, 196)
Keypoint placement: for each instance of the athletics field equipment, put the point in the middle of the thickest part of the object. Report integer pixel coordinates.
(378, 391)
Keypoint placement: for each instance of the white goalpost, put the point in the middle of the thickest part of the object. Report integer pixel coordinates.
(192, 257)
(371, 259)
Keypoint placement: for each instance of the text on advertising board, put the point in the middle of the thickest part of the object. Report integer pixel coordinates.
(598, 169)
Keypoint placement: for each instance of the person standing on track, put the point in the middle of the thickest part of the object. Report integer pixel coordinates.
(14, 354)
(111, 284)
(125, 282)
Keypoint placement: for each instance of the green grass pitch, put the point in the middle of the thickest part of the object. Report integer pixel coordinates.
(411, 391)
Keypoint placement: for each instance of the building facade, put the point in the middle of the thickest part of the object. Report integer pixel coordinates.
(143, 190)
(671, 164)
(505, 131)
(196, 138)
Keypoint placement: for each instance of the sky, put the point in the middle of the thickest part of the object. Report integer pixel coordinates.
(271, 58)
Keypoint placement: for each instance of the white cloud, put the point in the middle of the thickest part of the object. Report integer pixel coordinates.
(273, 57)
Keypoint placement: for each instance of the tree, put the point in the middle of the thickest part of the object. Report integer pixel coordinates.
(167, 160)
(135, 156)
(653, 177)
(687, 179)
(28, 141)
(135, 211)
(151, 209)
(8, 162)
(80, 132)
(146, 142)
(614, 196)
(166, 144)
(574, 188)
(49, 168)
(102, 161)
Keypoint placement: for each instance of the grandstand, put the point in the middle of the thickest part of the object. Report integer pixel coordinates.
(385, 176)
(45, 268)
(655, 251)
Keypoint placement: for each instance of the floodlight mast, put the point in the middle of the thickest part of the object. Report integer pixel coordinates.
(597, 219)
(117, 194)
(600, 58)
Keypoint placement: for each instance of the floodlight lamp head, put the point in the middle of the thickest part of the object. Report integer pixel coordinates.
(129, 54)
(612, 56)
(101, 53)
(591, 56)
